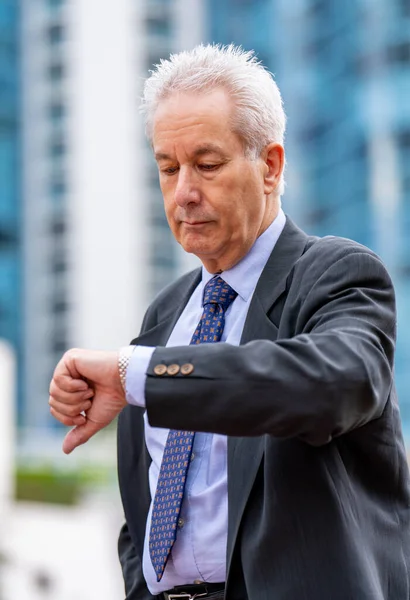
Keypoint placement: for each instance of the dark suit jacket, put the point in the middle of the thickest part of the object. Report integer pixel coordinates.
(318, 485)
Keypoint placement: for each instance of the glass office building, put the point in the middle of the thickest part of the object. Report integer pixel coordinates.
(10, 238)
(159, 31)
(95, 232)
(344, 72)
(168, 26)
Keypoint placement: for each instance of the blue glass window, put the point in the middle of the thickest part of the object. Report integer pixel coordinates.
(399, 53)
(159, 25)
(57, 189)
(56, 112)
(55, 34)
(55, 4)
(56, 71)
(57, 148)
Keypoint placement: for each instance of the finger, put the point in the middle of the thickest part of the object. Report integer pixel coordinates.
(63, 380)
(69, 397)
(80, 435)
(66, 377)
(69, 421)
(69, 410)
(69, 360)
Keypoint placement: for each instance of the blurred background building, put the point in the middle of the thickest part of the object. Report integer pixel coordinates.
(95, 234)
(84, 243)
(344, 73)
(11, 177)
(84, 239)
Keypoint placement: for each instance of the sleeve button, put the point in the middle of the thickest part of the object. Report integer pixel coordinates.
(160, 369)
(173, 369)
(187, 369)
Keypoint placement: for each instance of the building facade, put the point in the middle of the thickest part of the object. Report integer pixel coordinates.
(168, 26)
(97, 244)
(84, 206)
(344, 72)
(11, 323)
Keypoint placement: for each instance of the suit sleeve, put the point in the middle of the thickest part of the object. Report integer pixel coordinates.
(331, 375)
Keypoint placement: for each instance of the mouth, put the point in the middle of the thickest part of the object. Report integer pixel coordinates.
(195, 223)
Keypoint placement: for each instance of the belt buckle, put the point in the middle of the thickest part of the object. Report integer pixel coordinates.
(186, 596)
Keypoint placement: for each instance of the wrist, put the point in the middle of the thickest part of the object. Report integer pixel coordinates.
(124, 355)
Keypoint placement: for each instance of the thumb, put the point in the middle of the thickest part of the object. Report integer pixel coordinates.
(80, 435)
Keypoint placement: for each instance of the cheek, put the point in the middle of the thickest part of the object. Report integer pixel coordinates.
(244, 211)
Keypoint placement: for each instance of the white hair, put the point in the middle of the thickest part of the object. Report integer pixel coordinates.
(259, 115)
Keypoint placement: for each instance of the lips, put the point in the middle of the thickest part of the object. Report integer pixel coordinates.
(195, 223)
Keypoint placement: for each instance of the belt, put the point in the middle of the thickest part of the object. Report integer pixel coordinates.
(195, 590)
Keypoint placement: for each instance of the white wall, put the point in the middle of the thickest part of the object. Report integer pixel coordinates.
(7, 397)
(107, 206)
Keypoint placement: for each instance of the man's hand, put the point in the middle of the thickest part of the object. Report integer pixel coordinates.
(86, 381)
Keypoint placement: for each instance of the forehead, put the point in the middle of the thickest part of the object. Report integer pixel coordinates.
(190, 119)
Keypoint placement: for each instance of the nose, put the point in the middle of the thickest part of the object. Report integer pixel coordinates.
(186, 191)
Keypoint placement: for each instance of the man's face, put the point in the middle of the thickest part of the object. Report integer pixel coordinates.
(216, 199)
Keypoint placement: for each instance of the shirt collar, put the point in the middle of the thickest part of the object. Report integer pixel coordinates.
(244, 276)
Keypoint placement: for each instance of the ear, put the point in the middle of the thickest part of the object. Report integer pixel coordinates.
(273, 155)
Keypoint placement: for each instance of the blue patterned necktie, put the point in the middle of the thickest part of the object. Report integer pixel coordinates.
(218, 295)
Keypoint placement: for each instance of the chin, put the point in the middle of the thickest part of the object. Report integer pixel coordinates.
(197, 247)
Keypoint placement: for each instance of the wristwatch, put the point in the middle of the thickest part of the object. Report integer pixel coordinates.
(124, 356)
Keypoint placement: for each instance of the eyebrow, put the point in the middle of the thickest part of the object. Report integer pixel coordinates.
(201, 151)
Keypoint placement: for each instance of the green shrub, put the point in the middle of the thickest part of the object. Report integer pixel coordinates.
(56, 486)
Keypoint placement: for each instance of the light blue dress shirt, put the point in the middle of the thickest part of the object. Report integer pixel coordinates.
(199, 551)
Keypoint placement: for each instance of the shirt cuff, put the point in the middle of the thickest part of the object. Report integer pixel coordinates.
(136, 375)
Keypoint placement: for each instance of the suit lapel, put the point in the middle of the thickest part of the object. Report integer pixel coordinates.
(272, 282)
(245, 454)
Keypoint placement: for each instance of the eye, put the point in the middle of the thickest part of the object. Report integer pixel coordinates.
(169, 170)
(206, 167)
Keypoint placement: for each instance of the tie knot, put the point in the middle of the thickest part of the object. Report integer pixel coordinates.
(217, 291)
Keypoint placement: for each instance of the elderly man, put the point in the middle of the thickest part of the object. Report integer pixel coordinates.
(260, 446)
